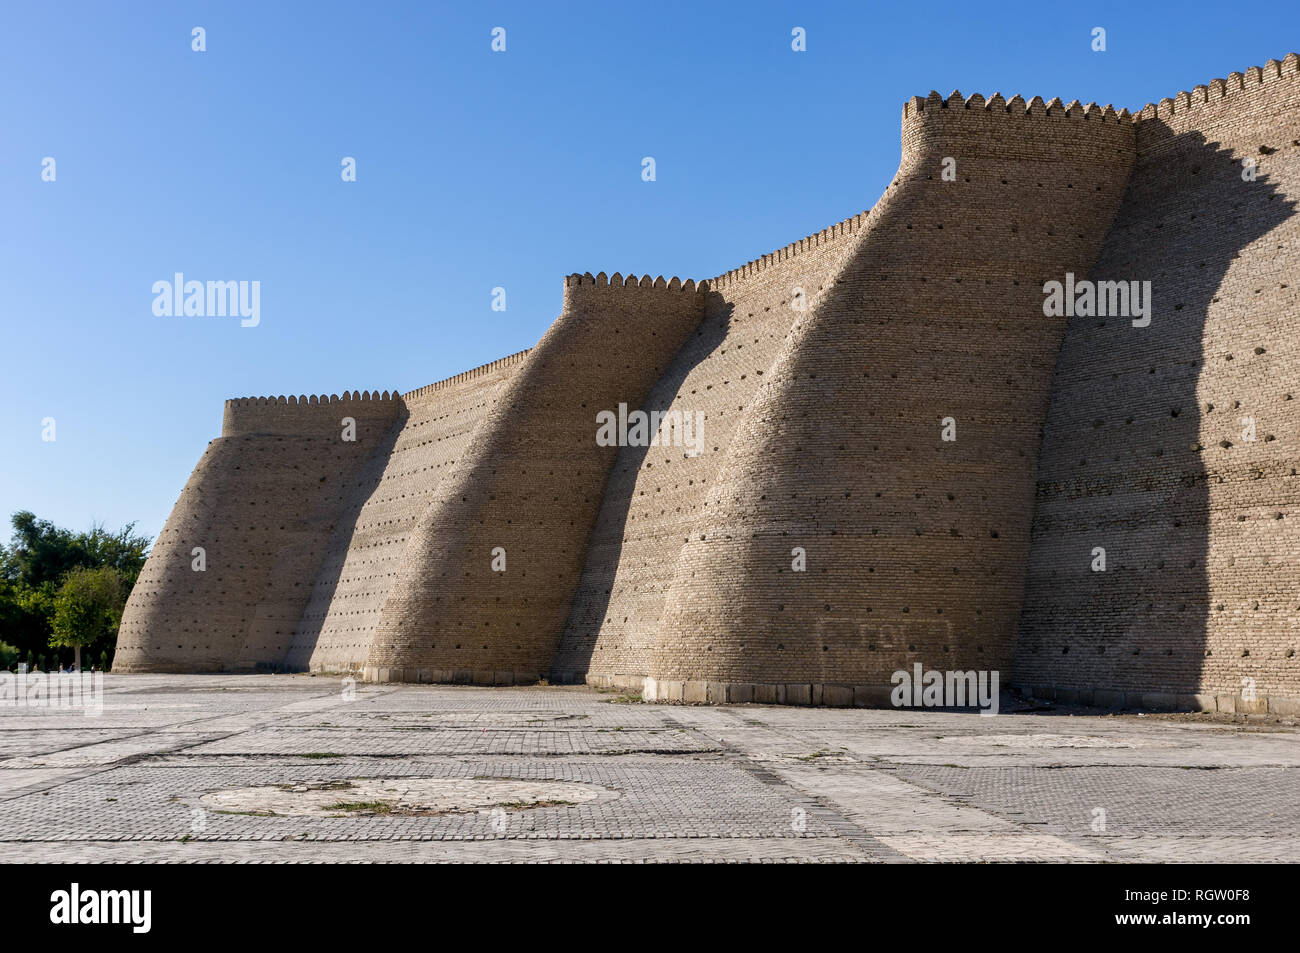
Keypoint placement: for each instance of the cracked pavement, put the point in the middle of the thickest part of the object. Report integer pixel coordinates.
(659, 783)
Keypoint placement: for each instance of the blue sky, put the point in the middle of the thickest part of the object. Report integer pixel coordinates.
(475, 170)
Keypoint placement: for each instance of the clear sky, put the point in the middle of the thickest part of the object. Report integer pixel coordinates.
(475, 170)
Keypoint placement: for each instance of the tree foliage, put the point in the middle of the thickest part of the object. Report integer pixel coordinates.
(88, 607)
(41, 552)
(52, 589)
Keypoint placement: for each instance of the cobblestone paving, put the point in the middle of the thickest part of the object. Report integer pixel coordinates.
(667, 783)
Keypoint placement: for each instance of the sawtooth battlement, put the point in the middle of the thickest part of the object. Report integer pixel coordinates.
(901, 458)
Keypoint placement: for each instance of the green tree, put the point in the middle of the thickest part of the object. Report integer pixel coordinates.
(88, 608)
(41, 552)
(25, 613)
(37, 561)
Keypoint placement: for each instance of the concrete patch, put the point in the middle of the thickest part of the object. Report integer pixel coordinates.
(1042, 741)
(402, 797)
(990, 848)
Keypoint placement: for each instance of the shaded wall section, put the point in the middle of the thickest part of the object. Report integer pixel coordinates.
(476, 531)
(386, 501)
(655, 496)
(261, 504)
(1148, 451)
(915, 547)
(528, 490)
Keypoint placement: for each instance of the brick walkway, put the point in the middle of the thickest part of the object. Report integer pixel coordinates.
(668, 783)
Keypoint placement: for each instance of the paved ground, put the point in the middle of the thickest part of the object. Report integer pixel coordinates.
(146, 780)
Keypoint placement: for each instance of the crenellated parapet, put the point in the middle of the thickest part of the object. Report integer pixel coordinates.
(580, 283)
(815, 242)
(457, 379)
(821, 531)
(307, 414)
(312, 399)
(1014, 108)
(1237, 88)
(1017, 136)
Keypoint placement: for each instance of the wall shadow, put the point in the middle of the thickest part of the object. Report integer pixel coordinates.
(325, 580)
(582, 628)
(1122, 464)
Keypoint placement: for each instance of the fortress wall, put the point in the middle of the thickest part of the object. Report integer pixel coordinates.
(915, 547)
(656, 495)
(386, 502)
(531, 484)
(305, 416)
(261, 503)
(651, 568)
(1145, 454)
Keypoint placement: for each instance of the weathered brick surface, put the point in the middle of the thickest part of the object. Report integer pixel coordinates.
(262, 504)
(822, 430)
(530, 484)
(915, 547)
(657, 495)
(1144, 453)
(387, 502)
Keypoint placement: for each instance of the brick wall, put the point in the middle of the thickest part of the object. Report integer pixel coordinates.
(655, 496)
(389, 498)
(822, 430)
(915, 547)
(262, 503)
(1145, 455)
(531, 485)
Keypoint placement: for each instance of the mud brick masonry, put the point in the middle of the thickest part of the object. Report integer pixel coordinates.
(672, 574)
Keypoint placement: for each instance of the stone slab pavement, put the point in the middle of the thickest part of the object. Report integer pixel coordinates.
(658, 783)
